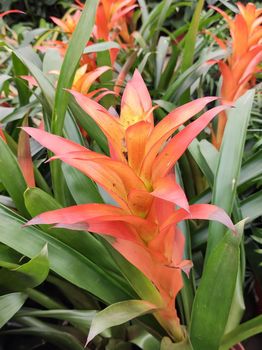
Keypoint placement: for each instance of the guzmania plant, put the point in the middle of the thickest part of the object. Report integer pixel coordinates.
(139, 176)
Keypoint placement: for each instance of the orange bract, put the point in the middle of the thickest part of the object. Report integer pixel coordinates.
(239, 69)
(84, 79)
(139, 176)
(111, 24)
(69, 23)
(112, 20)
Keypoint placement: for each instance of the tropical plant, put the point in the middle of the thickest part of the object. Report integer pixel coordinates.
(120, 235)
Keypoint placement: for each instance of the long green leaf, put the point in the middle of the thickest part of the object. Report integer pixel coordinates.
(77, 317)
(229, 163)
(63, 340)
(215, 293)
(22, 88)
(75, 49)
(190, 40)
(82, 188)
(12, 177)
(242, 332)
(9, 305)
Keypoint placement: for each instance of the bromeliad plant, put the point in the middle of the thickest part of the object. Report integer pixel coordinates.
(139, 176)
(242, 64)
(131, 226)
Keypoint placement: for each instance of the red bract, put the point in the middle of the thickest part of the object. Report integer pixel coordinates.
(139, 176)
(239, 69)
(24, 157)
(2, 135)
(9, 12)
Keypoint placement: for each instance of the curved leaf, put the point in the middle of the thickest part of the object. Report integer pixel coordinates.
(117, 314)
(242, 332)
(28, 275)
(9, 305)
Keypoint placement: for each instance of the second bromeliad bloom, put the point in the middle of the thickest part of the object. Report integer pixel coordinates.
(242, 64)
(139, 175)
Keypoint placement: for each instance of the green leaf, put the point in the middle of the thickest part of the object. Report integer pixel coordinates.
(190, 40)
(242, 332)
(210, 154)
(103, 46)
(75, 49)
(167, 344)
(142, 338)
(71, 130)
(251, 207)
(63, 260)
(5, 112)
(80, 318)
(238, 305)
(3, 79)
(9, 255)
(162, 15)
(250, 170)
(229, 163)
(78, 297)
(144, 10)
(47, 88)
(89, 125)
(162, 49)
(30, 55)
(18, 113)
(169, 69)
(62, 340)
(215, 293)
(12, 177)
(199, 157)
(180, 83)
(117, 314)
(22, 86)
(82, 188)
(104, 59)
(9, 305)
(28, 275)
